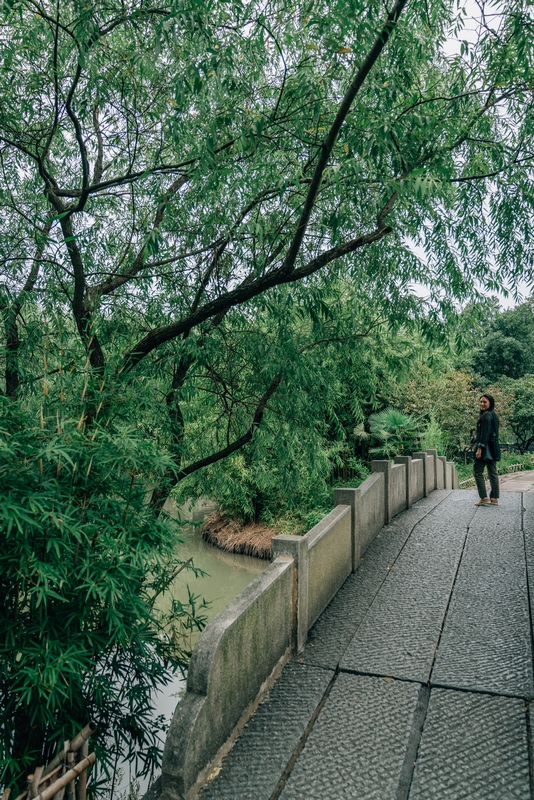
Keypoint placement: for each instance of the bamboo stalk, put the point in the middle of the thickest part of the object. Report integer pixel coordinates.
(44, 779)
(48, 777)
(71, 791)
(82, 780)
(65, 779)
(33, 782)
(82, 736)
(65, 751)
(75, 745)
(5, 794)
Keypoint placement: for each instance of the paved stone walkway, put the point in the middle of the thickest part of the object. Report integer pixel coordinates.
(518, 482)
(417, 680)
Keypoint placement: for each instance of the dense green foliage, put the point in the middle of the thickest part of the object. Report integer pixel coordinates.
(521, 421)
(208, 213)
(83, 559)
(398, 433)
(440, 395)
(506, 344)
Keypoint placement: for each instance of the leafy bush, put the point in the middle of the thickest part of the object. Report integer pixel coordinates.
(83, 559)
(397, 433)
(432, 437)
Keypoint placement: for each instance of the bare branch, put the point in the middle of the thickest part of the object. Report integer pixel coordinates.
(131, 177)
(245, 291)
(99, 163)
(328, 144)
(241, 441)
(81, 310)
(79, 138)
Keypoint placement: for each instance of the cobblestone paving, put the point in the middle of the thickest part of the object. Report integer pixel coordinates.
(417, 679)
(333, 631)
(474, 746)
(275, 730)
(357, 745)
(486, 640)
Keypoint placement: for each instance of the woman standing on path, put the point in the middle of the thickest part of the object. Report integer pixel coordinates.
(487, 451)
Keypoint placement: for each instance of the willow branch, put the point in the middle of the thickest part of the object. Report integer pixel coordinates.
(241, 441)
(139, 262)
(99, 163)
(79, 138)
(328, 144)
(247, 290)
(81, 311)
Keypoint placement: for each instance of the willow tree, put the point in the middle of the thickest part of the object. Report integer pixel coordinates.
(165, 163)
(176, 171)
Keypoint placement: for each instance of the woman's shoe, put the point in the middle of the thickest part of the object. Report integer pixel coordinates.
(484, 501)
(494, 500)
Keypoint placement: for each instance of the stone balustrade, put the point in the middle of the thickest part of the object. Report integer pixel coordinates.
(244, 648)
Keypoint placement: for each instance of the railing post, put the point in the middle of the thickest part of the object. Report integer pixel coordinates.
(407, 461)
(297, 548)
(349, 497)
(426, 488)
(443, 472)
(385, 467)
(434, 454)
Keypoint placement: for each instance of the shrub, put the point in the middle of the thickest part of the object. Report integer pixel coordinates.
(397, 433)
(83, 560)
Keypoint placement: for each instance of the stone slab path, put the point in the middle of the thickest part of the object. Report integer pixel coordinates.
(518, 482)
(417, 680)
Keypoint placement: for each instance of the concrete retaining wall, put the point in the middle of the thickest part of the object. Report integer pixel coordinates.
(254, 635)
(329, 559)
(368, 506)
(441, 470)
(430, 474)
(417, 481)
(397, 489)
(429, 471)
(234, 655)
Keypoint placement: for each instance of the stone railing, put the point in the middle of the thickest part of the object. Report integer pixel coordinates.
(244, 648)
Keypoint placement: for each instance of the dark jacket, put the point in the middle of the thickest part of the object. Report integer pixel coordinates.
(488, 436)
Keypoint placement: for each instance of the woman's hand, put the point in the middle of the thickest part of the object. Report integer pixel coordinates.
(478, 453)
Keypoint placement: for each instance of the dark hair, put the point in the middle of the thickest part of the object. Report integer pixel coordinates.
(491, 402)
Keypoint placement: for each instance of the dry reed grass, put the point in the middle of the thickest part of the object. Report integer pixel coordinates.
(250, 539)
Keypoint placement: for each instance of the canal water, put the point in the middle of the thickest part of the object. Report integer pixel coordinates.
(227, 574)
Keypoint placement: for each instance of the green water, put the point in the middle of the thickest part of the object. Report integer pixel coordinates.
(227, 574)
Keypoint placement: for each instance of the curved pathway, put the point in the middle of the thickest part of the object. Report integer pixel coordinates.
(518, 482)
(417, 680)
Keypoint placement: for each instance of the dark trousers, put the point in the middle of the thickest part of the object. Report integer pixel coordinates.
(478, 472)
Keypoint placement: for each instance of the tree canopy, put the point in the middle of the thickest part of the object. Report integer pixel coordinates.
(506, 344)
(521, 421)
(164, 163)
